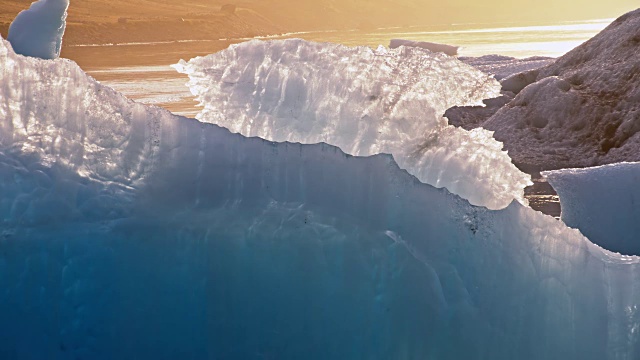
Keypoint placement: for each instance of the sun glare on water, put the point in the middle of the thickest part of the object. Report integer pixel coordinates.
(517, 41)
(482, 39)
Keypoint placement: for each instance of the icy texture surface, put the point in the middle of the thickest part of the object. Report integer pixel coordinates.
(129, 233)
(583, 109)
(450, 50)
(38, 31)
(603, 202)
(365, 102)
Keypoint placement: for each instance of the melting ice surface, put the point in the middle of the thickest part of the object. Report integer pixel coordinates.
(365, 102)
(130, 233)
(38, 31)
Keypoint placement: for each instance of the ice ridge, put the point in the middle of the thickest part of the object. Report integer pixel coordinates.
(363, 101)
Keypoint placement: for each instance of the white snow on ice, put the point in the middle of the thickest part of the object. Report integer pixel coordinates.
(581, 110)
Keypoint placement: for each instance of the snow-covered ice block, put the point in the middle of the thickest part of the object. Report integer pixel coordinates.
(365, 102)
(603, 202)
(450, 50)
(38, 31)
(581, 110)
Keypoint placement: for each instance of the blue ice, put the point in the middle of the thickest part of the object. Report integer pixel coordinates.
(38, 31)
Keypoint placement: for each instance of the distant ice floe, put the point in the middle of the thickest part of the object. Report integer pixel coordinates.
(365, 102)
(450, 50)
(38, 31)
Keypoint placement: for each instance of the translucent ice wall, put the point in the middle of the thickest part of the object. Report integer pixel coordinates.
(38, 31)
(129, 233)
(365, 102)
(603, 202)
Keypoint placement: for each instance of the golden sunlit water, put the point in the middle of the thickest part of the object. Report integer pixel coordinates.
(482, 39)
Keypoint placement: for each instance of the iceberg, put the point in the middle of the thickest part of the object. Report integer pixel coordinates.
(38, 31)
(131, 233)
(365, 102)
(603, 203)
(450, 50)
